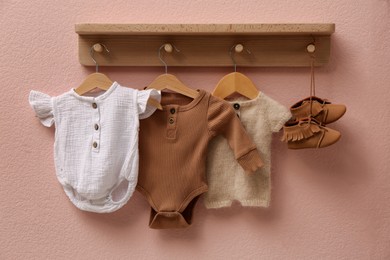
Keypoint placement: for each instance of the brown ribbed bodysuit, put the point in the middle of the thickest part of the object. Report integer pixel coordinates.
(173, 148)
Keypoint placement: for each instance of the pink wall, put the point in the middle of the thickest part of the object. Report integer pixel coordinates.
(326, 204)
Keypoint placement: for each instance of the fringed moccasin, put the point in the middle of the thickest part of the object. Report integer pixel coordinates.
(308, 133)
(321, 109)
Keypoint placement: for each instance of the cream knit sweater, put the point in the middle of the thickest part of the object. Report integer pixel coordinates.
(227, 181)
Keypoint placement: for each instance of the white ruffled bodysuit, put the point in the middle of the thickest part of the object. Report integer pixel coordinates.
(96, 143)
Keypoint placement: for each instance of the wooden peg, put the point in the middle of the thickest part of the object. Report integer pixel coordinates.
(168, 47)
(311, 48)
(239, 48)
(97, 47)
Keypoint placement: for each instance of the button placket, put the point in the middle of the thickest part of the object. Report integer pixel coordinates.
(95, 127)
(171, 122)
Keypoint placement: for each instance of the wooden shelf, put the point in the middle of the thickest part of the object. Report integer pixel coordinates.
(205, 44)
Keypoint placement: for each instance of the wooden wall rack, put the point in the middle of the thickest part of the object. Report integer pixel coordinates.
(271, 45)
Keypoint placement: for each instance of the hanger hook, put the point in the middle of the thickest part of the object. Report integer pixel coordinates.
(237, 48)
(168, 48)
(97, 47)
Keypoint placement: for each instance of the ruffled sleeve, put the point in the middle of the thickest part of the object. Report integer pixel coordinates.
(42, 104)
(145, 110)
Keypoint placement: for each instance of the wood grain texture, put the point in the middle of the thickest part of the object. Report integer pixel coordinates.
(157, 29)
(271, 45)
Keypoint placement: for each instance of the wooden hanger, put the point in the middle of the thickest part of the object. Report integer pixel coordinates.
(169, 81)
(92, 81)
(101, 81)
(235, 82)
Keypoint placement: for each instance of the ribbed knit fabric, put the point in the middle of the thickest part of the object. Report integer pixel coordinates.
(227, 181)
(96, 143)
(173, 148)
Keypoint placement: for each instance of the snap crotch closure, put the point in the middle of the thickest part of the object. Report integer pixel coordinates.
(165, 220)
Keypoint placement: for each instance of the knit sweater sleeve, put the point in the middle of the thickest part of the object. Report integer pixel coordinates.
(223, 120)
(276, 114)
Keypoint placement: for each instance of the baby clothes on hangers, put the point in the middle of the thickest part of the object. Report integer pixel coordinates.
(173, 147)
(96, 143)
(227, 182)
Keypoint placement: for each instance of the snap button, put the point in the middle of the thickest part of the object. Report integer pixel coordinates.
(94, 144)
(236, 106)
(96, 127)
(94, 105)
(172, 110)
(171, 120)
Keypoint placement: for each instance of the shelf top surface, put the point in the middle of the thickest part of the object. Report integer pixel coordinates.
(199, 29)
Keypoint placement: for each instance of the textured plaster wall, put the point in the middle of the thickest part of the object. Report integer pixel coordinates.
(326, 204)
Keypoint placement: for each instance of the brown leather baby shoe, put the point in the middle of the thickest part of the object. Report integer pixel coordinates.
(308, 133)
(322, 110)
